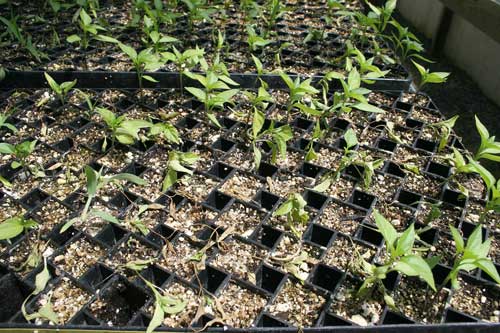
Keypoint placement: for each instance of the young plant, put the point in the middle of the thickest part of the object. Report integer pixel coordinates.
(155, 39)
(471, 255)
(3, 122)
(316, 35)
(427, 77)
(16, 35)
(259, 101)
(45, 311)
(20, 152)
(443, 129)
(96, 181)
(144, 61)
(166, 131)
(278, 54)
(297, 89)
(215, 94)
(89, 31)
(184, 61)
(255, 41)
(91, 105)
(406, 45)
(177, 162)
(122, 129)
(275, 9)
(350, 154)
(382, 15)
(318, 132)
(367, 70)
(400, 257)
(251, 10)
(489, 148)
(492, 188)
(295, 213)
(198, 10)
(15, 226)
(61, 90)
(368, 165)
(135, 220)
(275, 138)
(164, 304)
(352, 96)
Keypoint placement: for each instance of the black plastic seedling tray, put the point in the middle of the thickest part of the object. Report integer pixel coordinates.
(218, 188)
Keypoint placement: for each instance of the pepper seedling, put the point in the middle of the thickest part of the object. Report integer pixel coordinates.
(489, 148)
(444, 129)
(275, 138)
(14, 226)
(215, 94)
(89, 30)
(96, 181)
(144, 61)
(294, 209)
(471, 255)
(297, 89)
(429, 77)
(177, 162)
(20, 151)
(61, 90)
(125, 131)
(400, 257)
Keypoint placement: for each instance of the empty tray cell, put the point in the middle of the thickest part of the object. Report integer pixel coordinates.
(319, 235)
(111, 235)
(370, 234)
(387, 145)
(179, 258)
(223, 145)
(78, 256)
(212, 279)
(117, 303)
(220, 170)
(267, 170)
(242, 261)
(15, 291)
(315, 199)
(269, 278)
(131, 249)
(412, 296)
(326, 277)
(362, 199)
(454, 198)
(343, 252)
(218, 201)
(438, 169)
(268, 236)
(297, 305)
(195, 187)
(241, 305)
(34, 198)
(266, 200)
(243, 218)
(96, 276)
(409, 199)
(242, 186)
